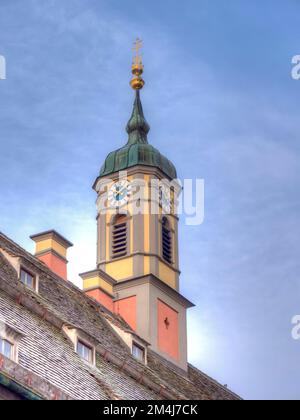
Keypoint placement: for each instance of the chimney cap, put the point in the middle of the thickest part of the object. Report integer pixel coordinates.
(52, 234)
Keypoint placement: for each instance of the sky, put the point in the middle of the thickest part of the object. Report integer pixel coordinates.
(222, 106)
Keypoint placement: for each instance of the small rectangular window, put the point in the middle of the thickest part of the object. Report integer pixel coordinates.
(27, 279)
(6, 348)
(85, 352)
(138, 352)
(119, 237)
(166, 241)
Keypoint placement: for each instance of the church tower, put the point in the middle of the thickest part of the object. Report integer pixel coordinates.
(137, 274)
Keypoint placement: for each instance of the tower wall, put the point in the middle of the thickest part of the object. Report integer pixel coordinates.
(144, 254)
(137, 239)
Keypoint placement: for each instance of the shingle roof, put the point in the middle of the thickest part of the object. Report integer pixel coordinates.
(46, 352)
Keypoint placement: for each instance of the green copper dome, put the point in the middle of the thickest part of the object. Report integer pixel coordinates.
(137, 150)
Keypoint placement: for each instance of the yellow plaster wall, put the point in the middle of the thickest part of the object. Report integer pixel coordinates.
(173, 221)
(51, 244)
(146, 233)
(146, 265)
(108, 217)
(167, 275)
(147, 225)
(147, 189)
(129, 209)
(120, 269)
(94, 282)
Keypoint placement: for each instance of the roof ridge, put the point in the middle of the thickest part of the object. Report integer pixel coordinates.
(213, 381)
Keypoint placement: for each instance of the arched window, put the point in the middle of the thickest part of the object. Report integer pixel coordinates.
(167, 241)
(120, 236)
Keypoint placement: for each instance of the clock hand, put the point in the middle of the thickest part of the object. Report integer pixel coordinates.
(121, 191)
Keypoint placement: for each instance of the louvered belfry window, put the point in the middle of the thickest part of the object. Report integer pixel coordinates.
(120, 237)
(166, 241)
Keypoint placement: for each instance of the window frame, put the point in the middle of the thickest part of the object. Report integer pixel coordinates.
(88, 346)
(140, 348)
(166, 226)
(28, 273)
(115, 223)
(12, 348)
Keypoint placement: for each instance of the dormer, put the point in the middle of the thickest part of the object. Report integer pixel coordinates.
(9, 341)
(137, 346)
(84, 345)
(26, 274)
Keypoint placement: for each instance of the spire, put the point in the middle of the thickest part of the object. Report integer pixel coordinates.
(137, 127)
(137, 151)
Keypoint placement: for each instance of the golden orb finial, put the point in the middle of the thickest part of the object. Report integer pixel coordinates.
(137, 83)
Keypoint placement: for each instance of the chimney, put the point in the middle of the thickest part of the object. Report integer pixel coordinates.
(99, 286)
(51, 248)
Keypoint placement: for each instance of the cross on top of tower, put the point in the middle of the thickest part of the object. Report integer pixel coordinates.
(137, 46)
(137, 83)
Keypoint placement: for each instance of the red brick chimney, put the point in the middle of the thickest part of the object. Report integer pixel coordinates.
(51, 248)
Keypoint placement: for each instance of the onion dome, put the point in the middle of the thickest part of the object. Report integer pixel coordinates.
(137, 151)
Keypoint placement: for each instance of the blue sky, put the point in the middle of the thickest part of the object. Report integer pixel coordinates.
(222, 106)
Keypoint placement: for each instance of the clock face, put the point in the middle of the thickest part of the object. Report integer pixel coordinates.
(165, 198)
(119, 193)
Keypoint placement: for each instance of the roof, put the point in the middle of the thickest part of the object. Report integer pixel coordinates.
(137, 151)
(47, 355)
